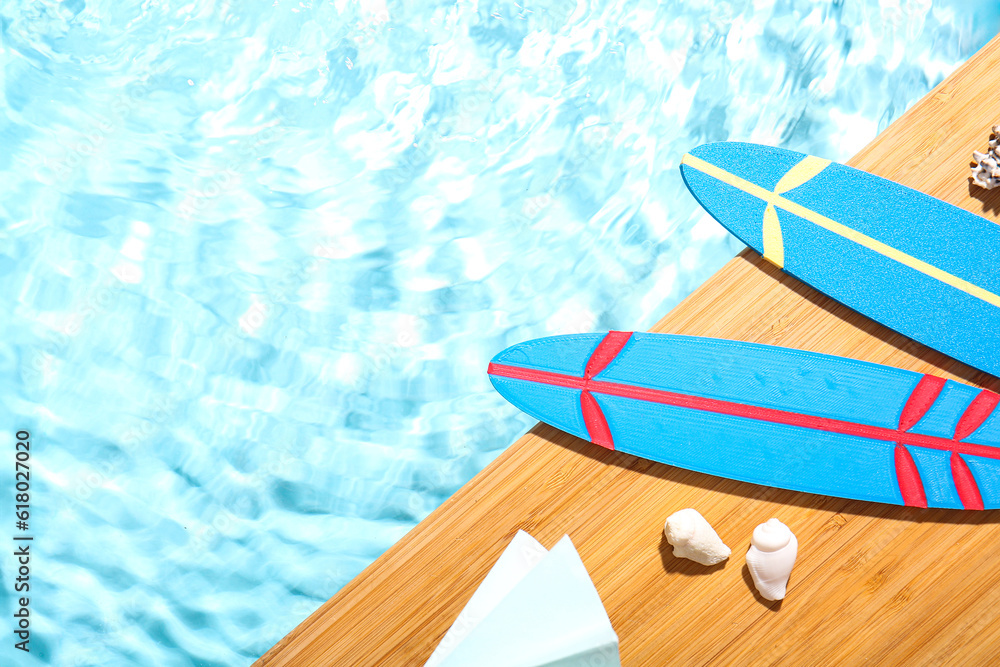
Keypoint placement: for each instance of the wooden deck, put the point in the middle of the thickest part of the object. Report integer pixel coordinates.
(874, 584)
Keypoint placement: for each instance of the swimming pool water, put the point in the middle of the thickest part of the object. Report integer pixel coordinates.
(257, 255)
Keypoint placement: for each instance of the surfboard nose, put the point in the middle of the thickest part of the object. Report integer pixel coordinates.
(735, 182)
(545, 378)
(764, 166)
(556, 354)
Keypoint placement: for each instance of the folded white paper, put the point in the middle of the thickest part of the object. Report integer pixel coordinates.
(521, 555)
(533, 609)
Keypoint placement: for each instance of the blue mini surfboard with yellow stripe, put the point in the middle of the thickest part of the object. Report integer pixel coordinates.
(921, 266)
(767, 415)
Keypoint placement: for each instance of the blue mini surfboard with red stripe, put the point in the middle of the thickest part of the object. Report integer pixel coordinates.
(767, 415)
(918, 265)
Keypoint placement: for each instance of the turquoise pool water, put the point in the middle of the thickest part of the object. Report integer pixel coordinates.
(256, 257)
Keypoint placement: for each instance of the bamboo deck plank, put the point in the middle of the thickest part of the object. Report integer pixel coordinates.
(874, 584)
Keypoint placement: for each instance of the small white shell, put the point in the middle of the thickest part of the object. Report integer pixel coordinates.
(693, 538)
(772, 553)
(985, 173)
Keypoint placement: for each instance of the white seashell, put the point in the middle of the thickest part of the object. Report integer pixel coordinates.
(773, 548)
(693, 538)
(985, 173)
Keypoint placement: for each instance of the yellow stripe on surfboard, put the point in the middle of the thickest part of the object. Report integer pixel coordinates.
(776, 200)
(774, 244)
(805, 169)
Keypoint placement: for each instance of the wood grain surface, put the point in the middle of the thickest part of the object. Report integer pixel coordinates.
(874, 584)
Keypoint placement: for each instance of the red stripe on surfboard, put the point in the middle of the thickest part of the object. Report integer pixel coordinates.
(605, 353)
(597, 425)
(908, 478)
(532, 375)
(747, 411)
(977, 412)
(965, 484)
(920, 401)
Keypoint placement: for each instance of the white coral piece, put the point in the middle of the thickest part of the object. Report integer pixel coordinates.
(693, 538)
(772, 553)
(986, 173)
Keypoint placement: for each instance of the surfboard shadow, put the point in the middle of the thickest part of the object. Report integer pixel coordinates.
(938, 360)
(760, 493)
